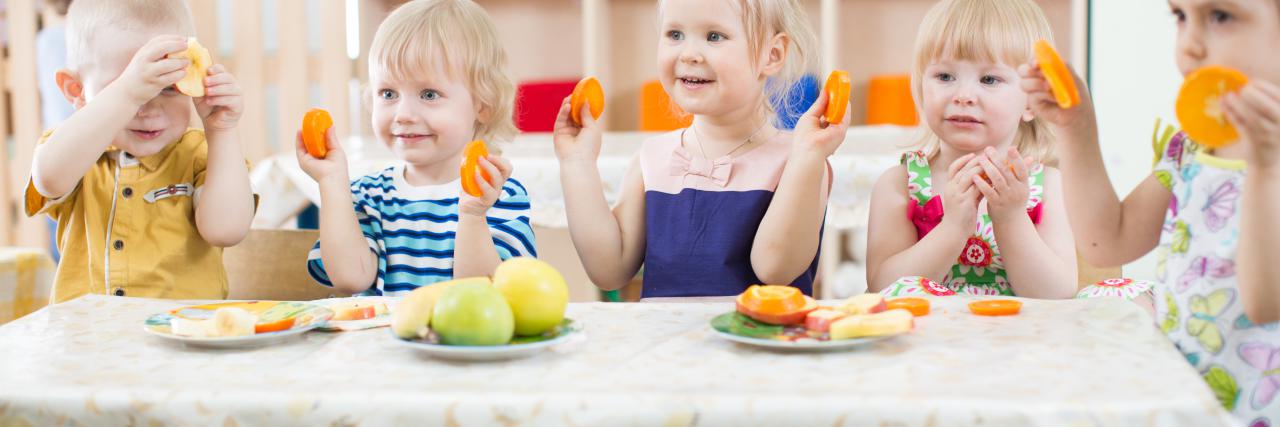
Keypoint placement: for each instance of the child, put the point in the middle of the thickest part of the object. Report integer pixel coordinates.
(1210, 212)
(980, 130)
(438, 79)
(698, 205)
(144, 204)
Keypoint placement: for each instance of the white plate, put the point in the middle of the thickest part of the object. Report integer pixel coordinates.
(248, 341)
(801, 345)
(310, 317)
(486, 353)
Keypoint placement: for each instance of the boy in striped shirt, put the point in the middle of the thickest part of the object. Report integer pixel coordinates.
(412, 225)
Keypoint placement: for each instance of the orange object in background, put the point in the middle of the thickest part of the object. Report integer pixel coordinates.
(1199, 106)
(995, 307)
(657, 113)
(314, 125)
(588, 91)
(889, 101)
(777, 305)
(917, 306)
(471, 155)
(837, 88)
(1061, 82)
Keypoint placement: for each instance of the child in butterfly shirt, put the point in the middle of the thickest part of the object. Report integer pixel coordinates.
(1208, 212)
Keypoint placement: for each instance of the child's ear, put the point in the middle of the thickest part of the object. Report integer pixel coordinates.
(71, 87)
(483, 113)
(775, 54)
(1028, 115)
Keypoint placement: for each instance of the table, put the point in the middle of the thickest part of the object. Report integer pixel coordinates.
(26, 281)
(1076, 362)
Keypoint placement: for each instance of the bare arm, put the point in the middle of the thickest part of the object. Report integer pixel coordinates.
(474, 252)
(351, 266)
(1110, 232)
(610, 243)
(1039, 259)
(225, 208)
(1256, 112)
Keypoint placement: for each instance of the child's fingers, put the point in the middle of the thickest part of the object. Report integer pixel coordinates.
(986, 189)
(486, 189)
(300, 147)
(958, 164)
(495, 175)
(1017, 166)
(162, 46)
(1264, 107)
(217, 69)
(331, 140)
(563, 118)
(219, 79)
(993, 173)
(504, 165)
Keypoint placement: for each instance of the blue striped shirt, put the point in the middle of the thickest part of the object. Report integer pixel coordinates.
(411, 229)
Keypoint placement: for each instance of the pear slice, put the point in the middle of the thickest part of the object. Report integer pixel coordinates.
(193, 83)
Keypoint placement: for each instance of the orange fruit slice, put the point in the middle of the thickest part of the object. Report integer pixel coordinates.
(314, 125)
(837, 89)
(995, 307)
(1055, 71)
(588, 91)
(917, 306)
(193, 83)
(276, 326)
(1199, 105)
(471, 155)
(776, 305)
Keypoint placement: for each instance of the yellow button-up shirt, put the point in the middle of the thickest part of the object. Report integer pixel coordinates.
(128, 228)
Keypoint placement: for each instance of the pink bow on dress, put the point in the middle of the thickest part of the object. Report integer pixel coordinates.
(682, 164)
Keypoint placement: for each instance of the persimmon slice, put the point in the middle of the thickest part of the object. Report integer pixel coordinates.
(837, 89)
(995, 307)
(314, 125)
(1199, 105)
(471, 155)
(588, 91)
(917, 306)
(1055, 71)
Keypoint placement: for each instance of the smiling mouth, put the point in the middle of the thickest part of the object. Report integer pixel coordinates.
(146, 134)
(964, 120)
(694, 81)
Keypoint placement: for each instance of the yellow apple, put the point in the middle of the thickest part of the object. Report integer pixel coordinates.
(536, 292)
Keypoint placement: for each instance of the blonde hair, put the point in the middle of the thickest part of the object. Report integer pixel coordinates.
(764, 19)
(86, 20)
(996, 31)
(455, 36)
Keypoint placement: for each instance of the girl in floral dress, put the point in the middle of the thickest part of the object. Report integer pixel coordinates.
(1210, 214)
(980, 176)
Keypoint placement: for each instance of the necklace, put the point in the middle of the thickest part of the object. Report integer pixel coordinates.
(735, 149)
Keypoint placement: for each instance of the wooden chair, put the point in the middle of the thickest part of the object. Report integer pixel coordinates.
(272, 265)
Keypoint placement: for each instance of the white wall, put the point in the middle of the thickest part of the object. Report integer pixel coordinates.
(1134, 81)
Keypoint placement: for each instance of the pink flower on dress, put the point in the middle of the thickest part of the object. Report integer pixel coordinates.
(1115, 283)
(977, 253)
(933, 288)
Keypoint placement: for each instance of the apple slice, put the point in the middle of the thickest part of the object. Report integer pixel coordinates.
(864, 304)
(193, 83)
(892, 322)
(354, 311)
(820, 320)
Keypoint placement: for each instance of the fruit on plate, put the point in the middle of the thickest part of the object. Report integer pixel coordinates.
(192, 84)
(315, 124)
(588, 91)
(276, 326)
(473, 314)
(1199, 106)
(995, 307)
(837, 88)
(226, 322)
(536, 292)
(890, 322)
(917, 306)
(1061, 83)
(820, 320)
(411, 319)
(864, 304)
(197, 328)
(471, 155)
(357, 310)
(775, 305)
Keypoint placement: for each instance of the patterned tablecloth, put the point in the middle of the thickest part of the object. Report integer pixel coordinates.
(88, 362)
(26, 281)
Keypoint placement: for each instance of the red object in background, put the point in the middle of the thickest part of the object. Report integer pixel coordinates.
(538, 102)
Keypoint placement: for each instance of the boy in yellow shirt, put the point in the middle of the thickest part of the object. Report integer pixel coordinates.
(143, 204)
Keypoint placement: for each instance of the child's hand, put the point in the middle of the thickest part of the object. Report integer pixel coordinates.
(1044, 105)
(332, 168)
(960, 198)
(573, 142)
(814, 134)
(1255, 113)
(221, 106)
(151, 70)
(1008, 191)
(499, 169)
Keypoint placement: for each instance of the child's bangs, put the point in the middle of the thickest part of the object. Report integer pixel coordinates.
(410, 49)
(983, 32)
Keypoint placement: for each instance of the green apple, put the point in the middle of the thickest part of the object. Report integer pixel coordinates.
(472, 313)
(412, 316)
(536, 292)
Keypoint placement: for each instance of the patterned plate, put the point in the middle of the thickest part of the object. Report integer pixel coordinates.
(307, 317)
